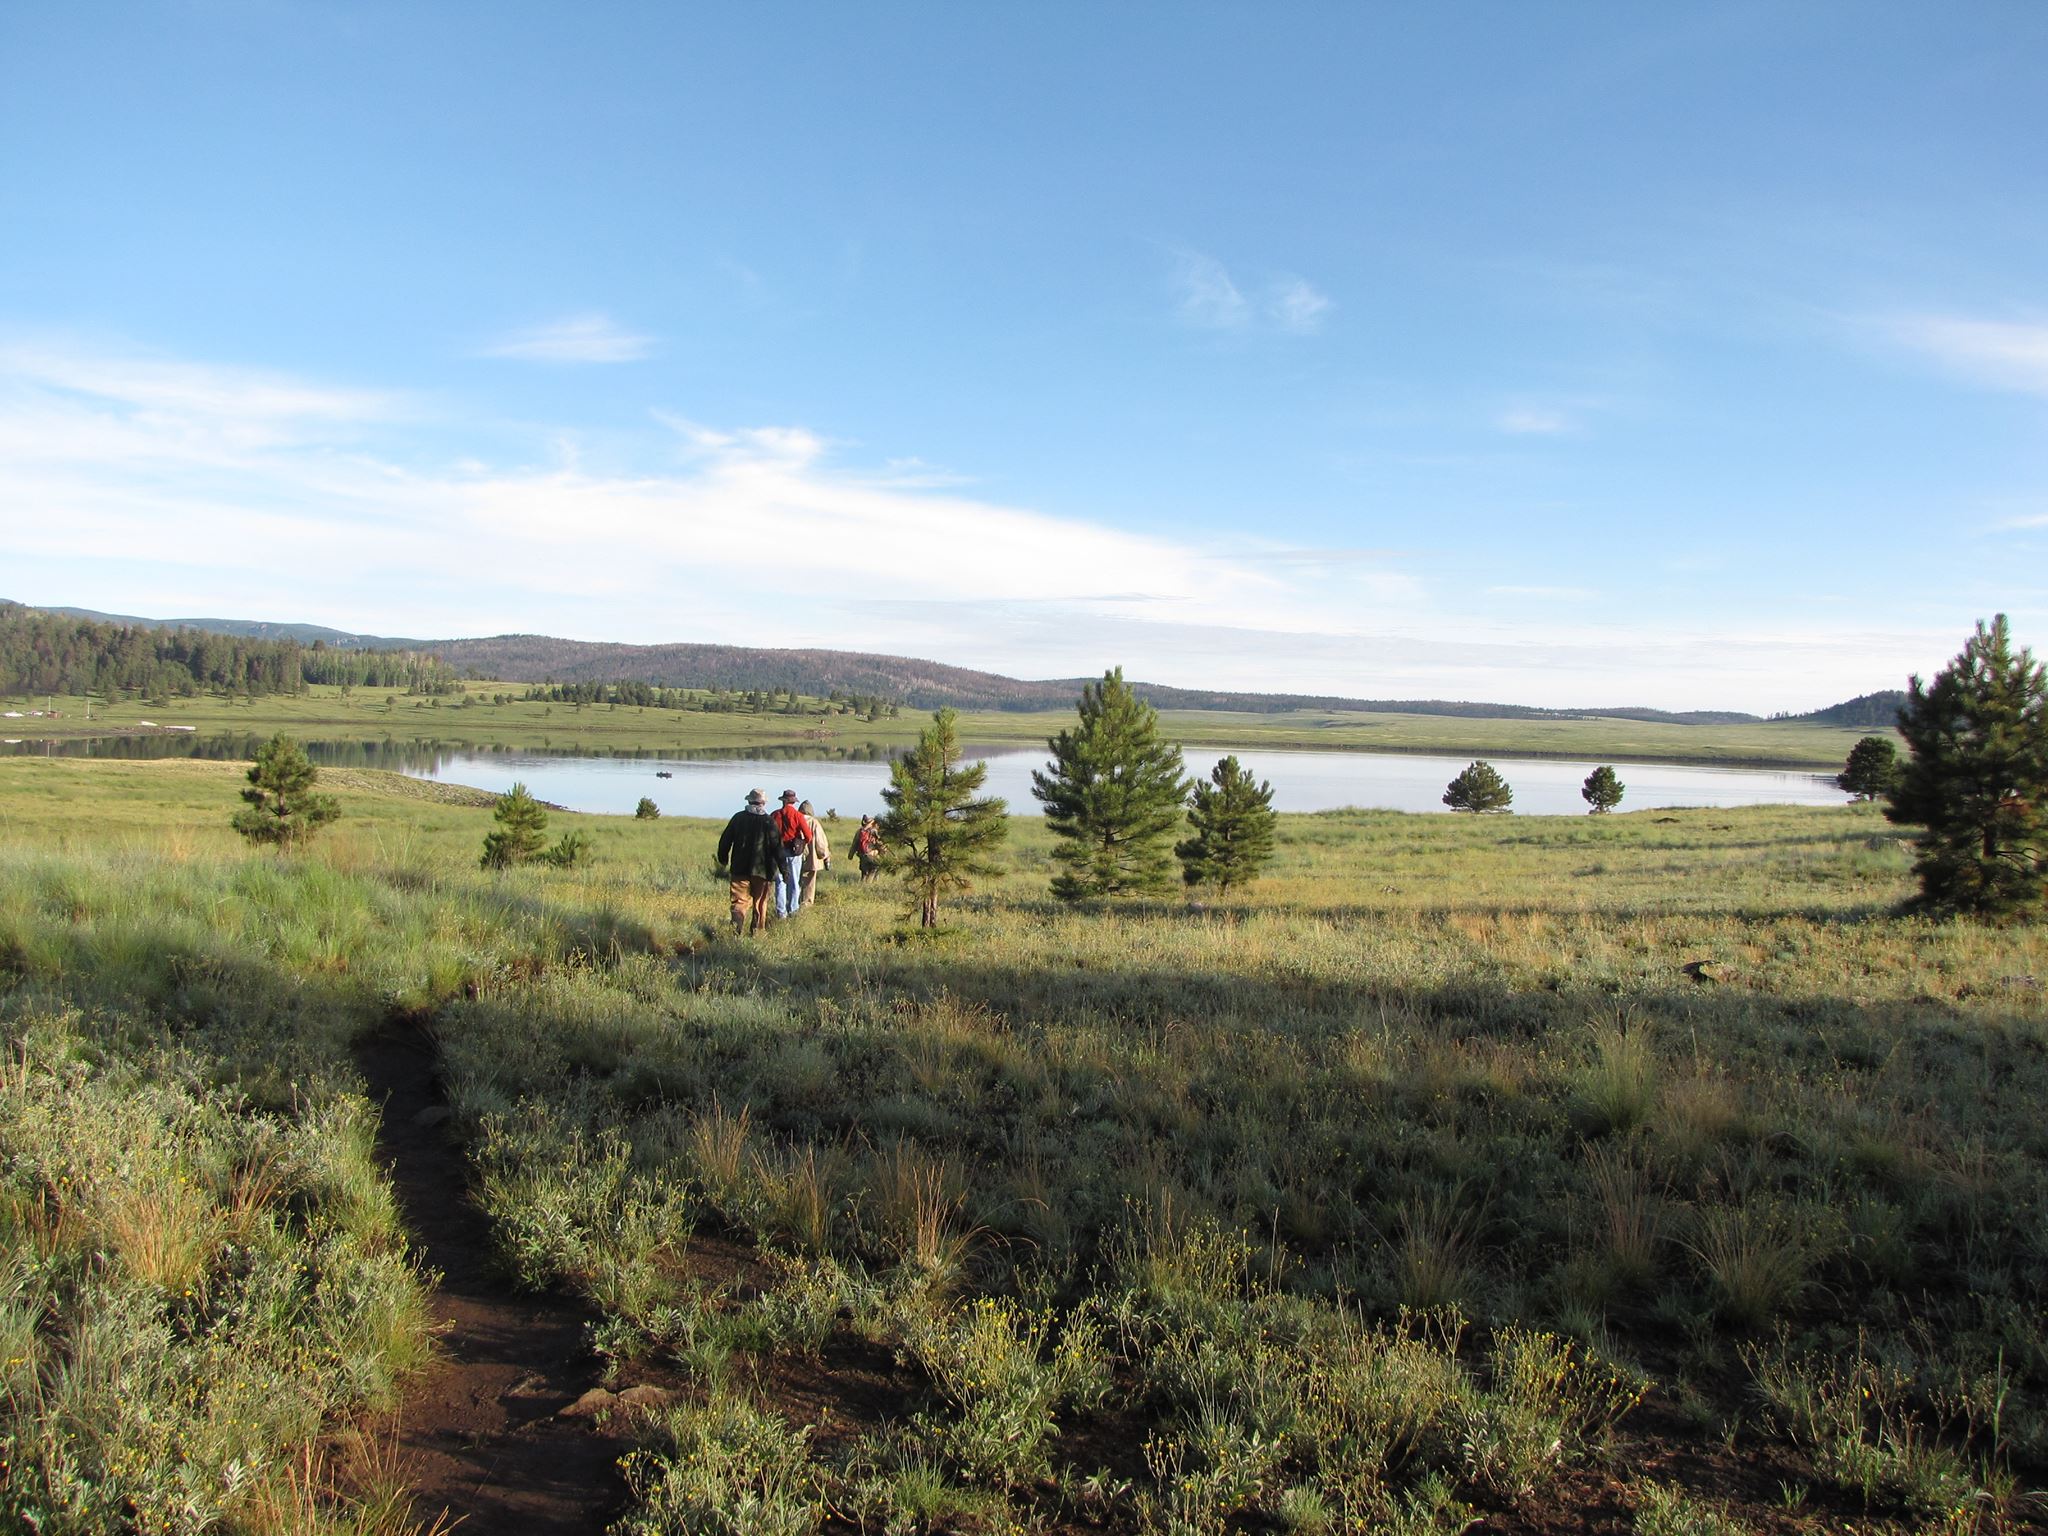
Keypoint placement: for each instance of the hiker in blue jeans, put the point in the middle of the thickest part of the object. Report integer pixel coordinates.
(795, 832)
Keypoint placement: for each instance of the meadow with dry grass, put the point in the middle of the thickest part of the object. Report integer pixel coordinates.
(1645, 1172)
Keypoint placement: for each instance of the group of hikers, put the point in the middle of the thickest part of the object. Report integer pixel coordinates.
(783, 852)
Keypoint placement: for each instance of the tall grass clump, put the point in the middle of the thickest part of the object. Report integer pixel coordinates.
(198, 1292)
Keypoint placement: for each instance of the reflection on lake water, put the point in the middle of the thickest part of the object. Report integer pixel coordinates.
(849, 779)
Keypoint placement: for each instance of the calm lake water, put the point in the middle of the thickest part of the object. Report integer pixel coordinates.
(850, 780)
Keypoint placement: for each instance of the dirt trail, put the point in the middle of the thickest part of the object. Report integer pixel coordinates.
(482, 1428)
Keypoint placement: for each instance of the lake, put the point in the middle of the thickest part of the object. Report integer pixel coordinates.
(850, 780)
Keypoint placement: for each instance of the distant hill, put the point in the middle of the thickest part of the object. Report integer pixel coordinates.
(923, 684)
(908, 680)
(249, 629)
(1876, 710)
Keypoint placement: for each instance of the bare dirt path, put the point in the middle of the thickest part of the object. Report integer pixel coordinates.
(483, 1428)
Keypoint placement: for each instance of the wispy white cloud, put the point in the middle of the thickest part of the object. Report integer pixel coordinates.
(1297, 305)
(1547, 594)
(1535, 421)
(2003, 354)
(244, 403)
(703, 546)
(1205, 296)
(584, 338)
(1208, 297)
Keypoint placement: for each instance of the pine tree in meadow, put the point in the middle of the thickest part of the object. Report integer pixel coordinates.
(1872, 767)
(1233, 822)
(1112, 797)
(282, 807)
(1479, 788)
(1977, 778)
(940, 836)
(520, 835)
(1602, 790)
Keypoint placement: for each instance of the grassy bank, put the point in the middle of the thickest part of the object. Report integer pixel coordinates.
(1422, 1185)
(323, 714)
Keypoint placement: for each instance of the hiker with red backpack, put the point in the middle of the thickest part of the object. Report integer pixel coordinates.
(794, 830)
(867, 847)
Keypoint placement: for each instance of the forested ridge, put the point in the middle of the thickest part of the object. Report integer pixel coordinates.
(1873, 710)
(926, 684)
(54, 653)
(432, 666)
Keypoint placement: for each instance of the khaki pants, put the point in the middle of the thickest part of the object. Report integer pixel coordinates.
(807, 888)
(750, 904)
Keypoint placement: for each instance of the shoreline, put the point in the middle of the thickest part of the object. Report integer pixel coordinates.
(350, 732)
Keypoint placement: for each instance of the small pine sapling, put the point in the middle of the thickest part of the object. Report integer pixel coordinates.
(939, 834)
(1479, 789)
(1113, 796)
(571, 851)
(1233, 823)
(1977, 778)
(282, 808)
(521, 830)
(1602, 790)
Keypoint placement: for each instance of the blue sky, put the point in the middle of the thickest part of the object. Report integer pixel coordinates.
(1581, 354)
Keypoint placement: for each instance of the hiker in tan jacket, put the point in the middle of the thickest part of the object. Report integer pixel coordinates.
(817, 856)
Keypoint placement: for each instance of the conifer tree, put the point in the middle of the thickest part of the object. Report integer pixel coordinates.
(646, 810)
(1977, 778)
(1113, 796)
(1480, 788)
(283, 808)
(1872, 766)
(1233, 822)
(1602, 790)
(522, 822)
(939, 835)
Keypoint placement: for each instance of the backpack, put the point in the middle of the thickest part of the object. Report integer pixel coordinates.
(794, 833)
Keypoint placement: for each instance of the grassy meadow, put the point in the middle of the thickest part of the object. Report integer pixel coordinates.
(1430, 1182)
(475, 716)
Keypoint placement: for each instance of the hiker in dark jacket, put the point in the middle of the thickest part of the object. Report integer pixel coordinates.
(750, 852)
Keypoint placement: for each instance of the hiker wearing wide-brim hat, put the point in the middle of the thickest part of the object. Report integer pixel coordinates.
(750, 852)
(794, 833)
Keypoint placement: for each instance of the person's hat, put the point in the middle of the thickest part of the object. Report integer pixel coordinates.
(788, 796)
(756, 797)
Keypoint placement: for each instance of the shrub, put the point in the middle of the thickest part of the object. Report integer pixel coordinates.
(728, 1467)
(1548, 1403)
(990, 1361)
